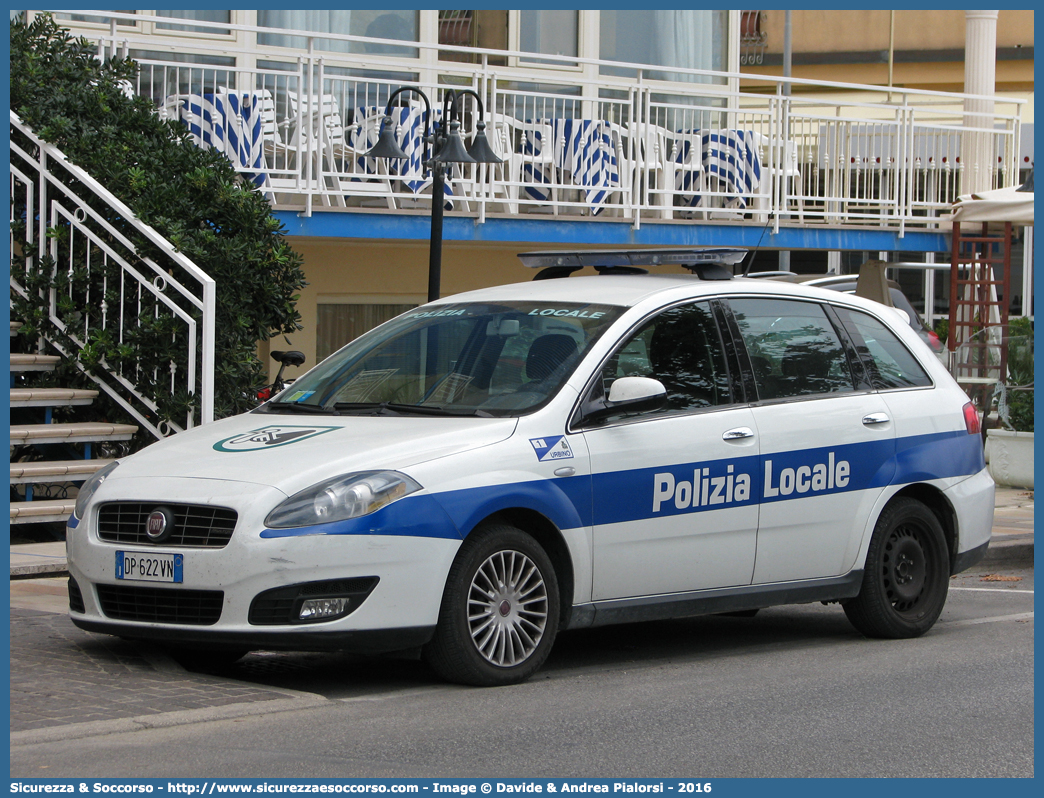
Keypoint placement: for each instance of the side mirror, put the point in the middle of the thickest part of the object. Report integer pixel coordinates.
(628, 395)
(628, 390)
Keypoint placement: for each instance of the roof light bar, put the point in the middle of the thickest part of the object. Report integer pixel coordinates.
(722, 256)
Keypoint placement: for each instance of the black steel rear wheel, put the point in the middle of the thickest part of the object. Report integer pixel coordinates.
(906, 576)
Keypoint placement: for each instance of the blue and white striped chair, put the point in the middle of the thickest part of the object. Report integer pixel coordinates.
(340, 160)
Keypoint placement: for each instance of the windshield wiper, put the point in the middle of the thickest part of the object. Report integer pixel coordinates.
(363, 408)
(296, 407)
(397, 409)
(435, 410)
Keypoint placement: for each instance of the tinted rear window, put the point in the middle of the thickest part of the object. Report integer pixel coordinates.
(888, 361)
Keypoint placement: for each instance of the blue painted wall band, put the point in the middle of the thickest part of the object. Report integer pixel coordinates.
(403, 227)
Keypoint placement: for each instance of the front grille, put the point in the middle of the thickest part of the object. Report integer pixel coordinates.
(75, 597)
(161, 605)
(282, 605)
(199, 526)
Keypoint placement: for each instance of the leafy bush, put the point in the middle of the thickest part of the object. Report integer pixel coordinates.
(942, 329)
(1019, 394)
(1020, 410)
(193, 197)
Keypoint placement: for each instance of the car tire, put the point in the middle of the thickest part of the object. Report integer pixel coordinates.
(500, 610)
(906, 576)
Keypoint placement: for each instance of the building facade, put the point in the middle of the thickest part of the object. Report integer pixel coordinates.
(616, 128)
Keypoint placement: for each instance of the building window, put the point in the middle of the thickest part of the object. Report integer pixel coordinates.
(753, 38)
(549, 33)
(380, 24)
(97, 20)
(337, 325)
(203, 15)
(671, 38)
(455, 28)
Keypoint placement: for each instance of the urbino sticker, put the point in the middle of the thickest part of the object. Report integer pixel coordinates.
(555, 447)
(269, 438)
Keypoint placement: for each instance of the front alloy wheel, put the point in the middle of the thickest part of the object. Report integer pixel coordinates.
(507, 608)
(499, 612)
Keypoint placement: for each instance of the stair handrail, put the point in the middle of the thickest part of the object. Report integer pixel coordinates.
(207, 304)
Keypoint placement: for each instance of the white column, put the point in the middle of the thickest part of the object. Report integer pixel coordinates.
(589, 23)
(1027, 274)
(929, 291)
(980, 72)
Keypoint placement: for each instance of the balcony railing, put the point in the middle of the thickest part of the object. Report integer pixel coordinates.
(592, 138)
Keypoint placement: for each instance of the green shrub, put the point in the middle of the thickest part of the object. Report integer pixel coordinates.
(1020, 410)
(942, 329)
(192, 197)
(1020, 375)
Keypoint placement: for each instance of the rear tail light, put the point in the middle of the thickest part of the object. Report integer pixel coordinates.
(264, 394)
(934, 342)
(971, 419)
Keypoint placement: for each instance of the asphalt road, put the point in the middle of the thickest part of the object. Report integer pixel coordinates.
(792, 692)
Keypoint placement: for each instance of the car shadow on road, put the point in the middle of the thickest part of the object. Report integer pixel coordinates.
(647, 644)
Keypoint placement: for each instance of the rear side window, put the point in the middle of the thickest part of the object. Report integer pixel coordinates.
(793, 348)
(885, 357)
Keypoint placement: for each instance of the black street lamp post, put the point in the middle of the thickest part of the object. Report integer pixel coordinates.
(444, 148)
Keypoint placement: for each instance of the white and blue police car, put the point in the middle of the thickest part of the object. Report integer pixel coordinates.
(482, 472)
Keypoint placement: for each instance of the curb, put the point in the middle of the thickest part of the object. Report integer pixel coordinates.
(1009, 553)
(75, 731)
(35, 571)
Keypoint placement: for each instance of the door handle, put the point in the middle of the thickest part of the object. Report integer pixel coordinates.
(875, 418)
(737, 434)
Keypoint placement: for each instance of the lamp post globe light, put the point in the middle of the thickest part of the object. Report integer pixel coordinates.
(444, 148)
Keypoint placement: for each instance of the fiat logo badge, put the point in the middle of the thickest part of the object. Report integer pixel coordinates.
(159, 524)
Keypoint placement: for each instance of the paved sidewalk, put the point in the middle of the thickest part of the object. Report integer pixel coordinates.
(1012, 527)
(62, 676)
(68, 683)
(38, 560)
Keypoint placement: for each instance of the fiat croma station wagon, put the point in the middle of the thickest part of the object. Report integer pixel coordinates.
(483, 472)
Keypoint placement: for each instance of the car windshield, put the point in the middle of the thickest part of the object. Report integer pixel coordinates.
(480, 359)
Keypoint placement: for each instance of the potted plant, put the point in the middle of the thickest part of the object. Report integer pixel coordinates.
(1010, 449)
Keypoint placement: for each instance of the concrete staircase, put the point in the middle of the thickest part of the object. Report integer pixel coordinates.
(53, 439)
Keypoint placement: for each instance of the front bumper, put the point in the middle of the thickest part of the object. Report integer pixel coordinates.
(399, 613)
(373, 641)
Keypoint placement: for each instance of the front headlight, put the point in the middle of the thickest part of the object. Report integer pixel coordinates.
(341, 498)
(89, 488)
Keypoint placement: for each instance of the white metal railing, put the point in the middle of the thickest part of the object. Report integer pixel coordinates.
(84, 236)
(705, 145)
